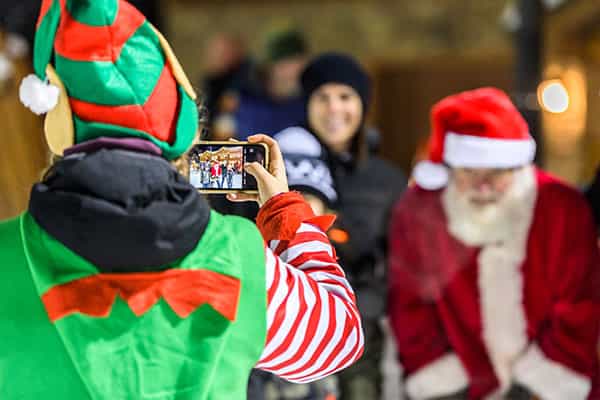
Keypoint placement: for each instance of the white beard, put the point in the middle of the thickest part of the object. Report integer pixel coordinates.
(494, 223)
(502, 231)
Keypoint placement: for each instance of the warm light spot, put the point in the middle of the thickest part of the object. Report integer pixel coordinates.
(554, 96)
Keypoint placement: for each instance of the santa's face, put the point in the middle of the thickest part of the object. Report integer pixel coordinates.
(335, 113)
(482, 187)
(485, 207)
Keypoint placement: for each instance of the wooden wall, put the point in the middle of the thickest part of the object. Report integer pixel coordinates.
(405, 93)
(23, 153)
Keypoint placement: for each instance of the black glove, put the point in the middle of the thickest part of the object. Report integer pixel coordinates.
(518, 392)
(462, 395)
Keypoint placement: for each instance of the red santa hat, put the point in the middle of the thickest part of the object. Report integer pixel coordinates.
(475, 129)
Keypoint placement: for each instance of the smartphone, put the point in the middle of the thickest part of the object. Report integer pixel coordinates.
(218, 167)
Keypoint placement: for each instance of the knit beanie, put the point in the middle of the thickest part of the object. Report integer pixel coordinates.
(306, 169)
(284, 44)
(336, 68)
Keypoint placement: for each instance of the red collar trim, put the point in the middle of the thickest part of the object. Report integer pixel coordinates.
(183, 290)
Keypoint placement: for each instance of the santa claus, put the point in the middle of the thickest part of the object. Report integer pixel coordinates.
(495, 280)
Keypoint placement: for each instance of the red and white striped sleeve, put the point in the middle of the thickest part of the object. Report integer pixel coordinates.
(313, 324)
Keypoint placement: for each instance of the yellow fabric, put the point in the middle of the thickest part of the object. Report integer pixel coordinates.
(176, 67)
(58, 125)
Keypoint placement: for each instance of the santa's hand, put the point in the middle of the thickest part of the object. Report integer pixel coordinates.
(271, 182)
(462, 395)
(518, 392)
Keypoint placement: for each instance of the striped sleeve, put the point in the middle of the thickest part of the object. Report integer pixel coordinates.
(313, 324)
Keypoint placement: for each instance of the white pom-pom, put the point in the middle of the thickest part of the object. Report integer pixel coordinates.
(430, 175)
(40, 97)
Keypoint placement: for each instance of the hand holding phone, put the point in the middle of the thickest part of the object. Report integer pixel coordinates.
(271, 181)
(220, 167)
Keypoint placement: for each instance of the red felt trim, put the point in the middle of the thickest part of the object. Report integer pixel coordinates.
(281, 216)
(183, 290)
(162, 107)
(46, 5)
(81, 42)
(158, 117)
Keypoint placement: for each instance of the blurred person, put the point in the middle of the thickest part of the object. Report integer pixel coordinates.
(268, 102)
(227, 66)
(308, 174)
(119, 280)
(224, 172)
(215, 173)
(273, 101)
(494, 273)
(337, 92)
(205, 174)
(307, 170)
(230, 174)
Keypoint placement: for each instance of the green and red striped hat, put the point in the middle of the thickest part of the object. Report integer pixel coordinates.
(102, 70)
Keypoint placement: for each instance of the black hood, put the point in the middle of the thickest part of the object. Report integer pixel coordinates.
(123, 211)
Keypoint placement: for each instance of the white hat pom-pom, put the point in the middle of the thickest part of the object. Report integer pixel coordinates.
(40, 97)
(430, 175)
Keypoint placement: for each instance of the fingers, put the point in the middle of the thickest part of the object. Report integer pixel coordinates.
(259, 172)
(241, 197)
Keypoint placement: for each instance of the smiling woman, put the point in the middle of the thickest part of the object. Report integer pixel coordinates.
(335, 113)
(338, 93)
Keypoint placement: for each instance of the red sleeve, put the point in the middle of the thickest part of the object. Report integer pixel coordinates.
(425, 353)
(313, 324)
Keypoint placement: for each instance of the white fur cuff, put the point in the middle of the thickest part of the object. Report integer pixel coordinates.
(549, 379)
(443, 376)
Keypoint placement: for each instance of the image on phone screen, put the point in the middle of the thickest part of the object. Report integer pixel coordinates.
(220, 167)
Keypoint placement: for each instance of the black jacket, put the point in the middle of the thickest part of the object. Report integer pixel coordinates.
(367, 190)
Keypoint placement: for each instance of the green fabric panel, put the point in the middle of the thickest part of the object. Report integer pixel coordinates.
(187, 125)
(43, 45)
(94, 12)
(130, 80)
(68, 267)
(249, 331)
(33, 362)
(98, 82)
(156, 356)
(141, 62)
(85, 131)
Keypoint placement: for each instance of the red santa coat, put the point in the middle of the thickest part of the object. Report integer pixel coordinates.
(215, 170)
(483, 317)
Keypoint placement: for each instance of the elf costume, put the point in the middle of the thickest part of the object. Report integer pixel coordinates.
(518, 307)
(119, 281)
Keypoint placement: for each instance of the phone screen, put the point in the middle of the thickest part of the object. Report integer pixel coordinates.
(219, 167)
